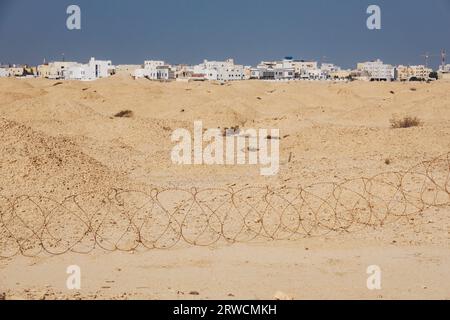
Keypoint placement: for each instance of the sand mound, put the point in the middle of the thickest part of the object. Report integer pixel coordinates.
(32, 161)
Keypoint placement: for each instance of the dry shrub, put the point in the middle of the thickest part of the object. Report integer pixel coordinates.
(124, 114)
(406, 122)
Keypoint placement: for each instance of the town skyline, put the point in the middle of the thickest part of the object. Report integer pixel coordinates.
(434, 60)
(249, 31)
(286, 69)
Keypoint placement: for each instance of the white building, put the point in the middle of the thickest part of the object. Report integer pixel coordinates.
(220, 70)
(316, 74)
(139, 73)
(75, 72)
(4, 72)
(150, 68)
(165, 73)
(329, 68)
(377, 70)
(155, 70)
(445, 68)
(289, 69)
(93, 70)
(273, 70)
(100, 68)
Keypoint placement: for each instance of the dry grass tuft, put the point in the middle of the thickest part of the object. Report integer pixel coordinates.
(406, 122)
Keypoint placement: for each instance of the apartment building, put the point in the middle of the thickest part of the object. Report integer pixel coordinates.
(377, 70)
(406, 73)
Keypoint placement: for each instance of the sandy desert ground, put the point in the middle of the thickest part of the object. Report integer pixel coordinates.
(79, 186)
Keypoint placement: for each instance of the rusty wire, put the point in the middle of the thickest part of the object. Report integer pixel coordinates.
(125, 220)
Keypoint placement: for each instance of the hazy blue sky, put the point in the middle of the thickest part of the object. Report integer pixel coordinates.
(186, 31)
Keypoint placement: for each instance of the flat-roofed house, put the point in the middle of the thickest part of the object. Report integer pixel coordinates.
(220, 70)
(93, 70)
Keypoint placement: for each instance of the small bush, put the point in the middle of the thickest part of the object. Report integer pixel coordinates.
(406, 122)
(124, 114)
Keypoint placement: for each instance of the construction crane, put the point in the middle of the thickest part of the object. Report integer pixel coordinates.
(427, 57)
(443, 56)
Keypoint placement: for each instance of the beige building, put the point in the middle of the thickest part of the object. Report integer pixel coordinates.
(405, 73)
(54, 70)
(340, 74)
(127, 69)
(301, 66)
(43, 71)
